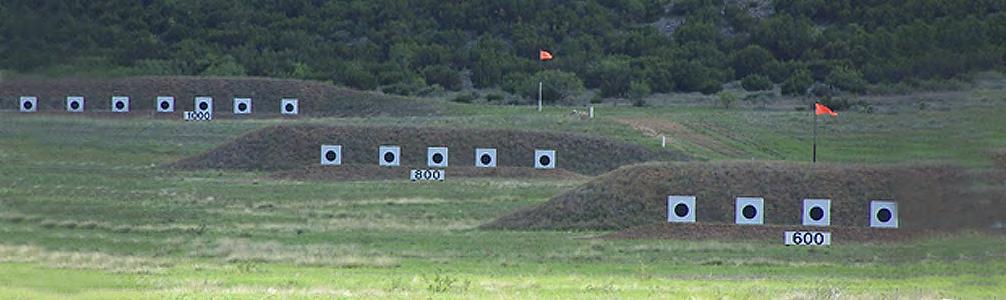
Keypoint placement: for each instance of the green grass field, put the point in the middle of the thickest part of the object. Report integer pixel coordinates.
(86, 212)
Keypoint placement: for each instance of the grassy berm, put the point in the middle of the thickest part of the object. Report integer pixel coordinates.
(298, 147)
(929, 196)
(315, 98)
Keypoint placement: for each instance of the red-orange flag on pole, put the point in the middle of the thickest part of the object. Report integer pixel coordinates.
(544, 55)
(820, 109)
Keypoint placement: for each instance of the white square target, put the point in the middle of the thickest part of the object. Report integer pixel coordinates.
(28, 104)
(883, 214)
(485, 157)
(816, 212)
(75, 104)
(203, 104)
(750, 211)
(165, 104)
(331, 155)
(436, 157)
(120, 104)
(681, 209)
(389, 156)
(289, 107)
(544, 159)
(242, 106)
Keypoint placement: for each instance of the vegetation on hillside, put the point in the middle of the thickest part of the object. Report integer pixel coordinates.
(405, 47)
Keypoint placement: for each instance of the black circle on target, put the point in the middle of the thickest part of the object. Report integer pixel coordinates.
(165, 105)
(438, 158)
(486, 159)
(242, 107)
(389, 157)
(289, 107)
(544, 160)
(203, 106)
(120, 105)
(74, 105)
(27, 105)
(681, 210)
(816, 213)
(749, 211)
(330, 155)
(884, 215)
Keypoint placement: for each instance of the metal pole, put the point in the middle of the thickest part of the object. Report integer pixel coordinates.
(539, 95)
(814, 157)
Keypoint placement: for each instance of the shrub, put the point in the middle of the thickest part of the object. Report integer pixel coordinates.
(465, 97)
(442, 75)
(797, 83)
(755, 82)
(846, 79)
(637, 91)
(726, 99)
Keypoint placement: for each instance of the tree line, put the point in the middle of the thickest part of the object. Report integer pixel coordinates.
(619, 47)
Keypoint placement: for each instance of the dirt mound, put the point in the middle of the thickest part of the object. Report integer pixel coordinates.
(700, 231)
(295, 147)
(932, 196)
(315, 98)
(372, 172)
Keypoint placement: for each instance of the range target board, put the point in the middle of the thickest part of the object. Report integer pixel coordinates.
(883, 214)
(165, 104)
(289, 106)
(485, 157)
(75, 104)
(389, 156)
(28, 104)
(817, 212)
(681, 209)
(120, 104)
(544, 159)
(242, 106)
(750, 211)
(436, 157)
(806, 238)
(203, 105)
(331, 155)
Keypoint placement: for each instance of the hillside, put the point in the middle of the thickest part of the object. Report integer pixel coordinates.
(929, 196)
(621, 48)
(315, 98)
(296, 147)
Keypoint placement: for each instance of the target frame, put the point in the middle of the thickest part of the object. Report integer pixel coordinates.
(544, 159)
(681, 209)
(432, 152)
(809, 212)
(72, 101)
(382, 156)
(197, 104)
(245, 103)
(326, 160)
(490, 152)
(876, 217)
(120, 104)
(743, 208)
(31, 101)
(165, 104)
(289, 106)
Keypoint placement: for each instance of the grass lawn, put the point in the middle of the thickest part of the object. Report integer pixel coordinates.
(85, 212)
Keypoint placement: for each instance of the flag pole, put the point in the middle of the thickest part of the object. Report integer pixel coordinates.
(539, 95)
(814, 155)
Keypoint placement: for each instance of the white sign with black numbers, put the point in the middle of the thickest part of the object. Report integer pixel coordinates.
(426, 175)
(807, 238)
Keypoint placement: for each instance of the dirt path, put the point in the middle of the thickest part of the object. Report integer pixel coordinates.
(675, 131)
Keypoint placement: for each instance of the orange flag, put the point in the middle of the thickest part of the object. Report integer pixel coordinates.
(544, 55)
(823, 110)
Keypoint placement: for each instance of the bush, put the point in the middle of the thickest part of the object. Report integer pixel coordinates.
(442, 75)
(755, 82)
(466, 97)
(556, 85)
(846, 79)
(494, 97)
(797, 83)
(751, 60)
(637, 91)
(726, 99)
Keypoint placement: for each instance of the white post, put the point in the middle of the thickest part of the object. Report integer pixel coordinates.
(663, 141)
(539, 95)
(591, 111)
